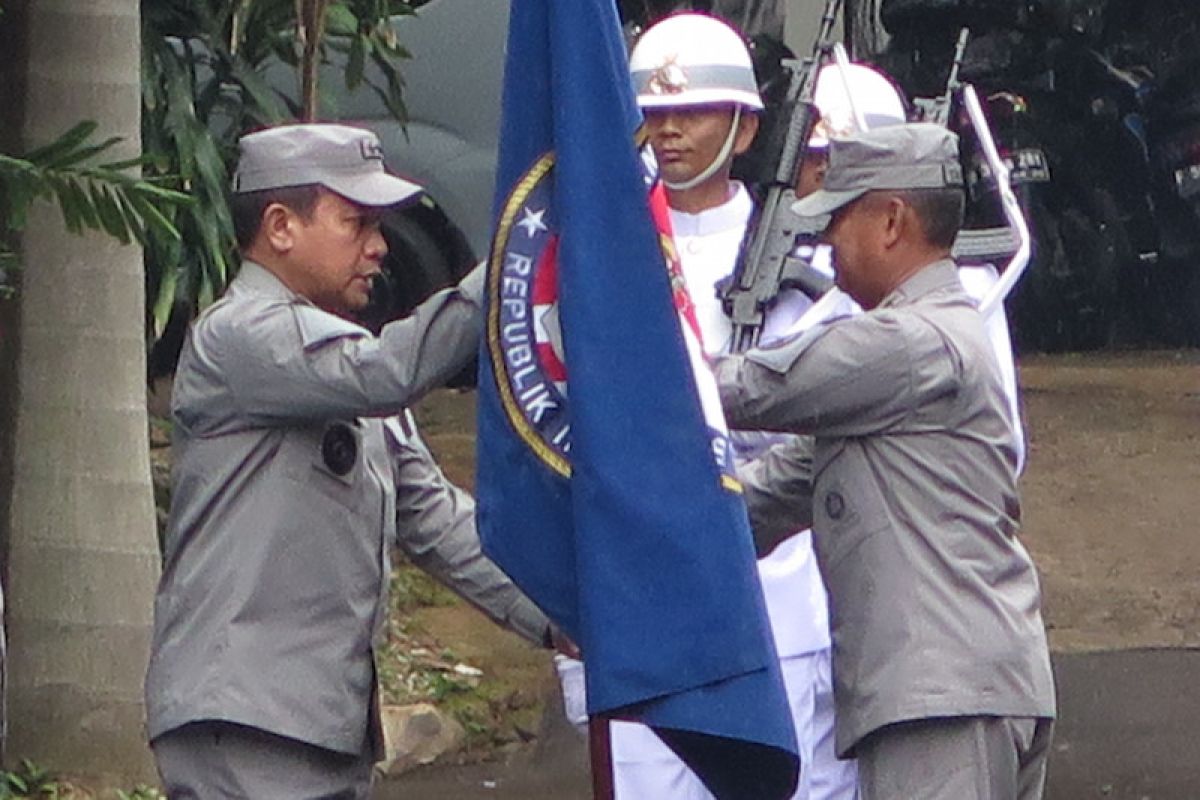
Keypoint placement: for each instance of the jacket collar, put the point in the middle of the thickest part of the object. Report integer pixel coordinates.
(935, 277)
(253, 278)
(730, 215)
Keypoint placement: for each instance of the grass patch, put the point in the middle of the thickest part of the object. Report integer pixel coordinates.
(415, 667)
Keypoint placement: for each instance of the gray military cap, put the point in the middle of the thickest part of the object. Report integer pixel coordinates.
(917, 155)
(344, 159)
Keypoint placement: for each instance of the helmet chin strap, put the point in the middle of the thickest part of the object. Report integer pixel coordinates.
(717, 162)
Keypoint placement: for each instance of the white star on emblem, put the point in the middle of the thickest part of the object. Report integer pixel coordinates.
(532, 222)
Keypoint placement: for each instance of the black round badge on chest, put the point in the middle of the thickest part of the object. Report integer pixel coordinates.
(339, 448)
(835, 505)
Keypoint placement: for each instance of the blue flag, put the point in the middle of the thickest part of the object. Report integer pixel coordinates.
(604, 479)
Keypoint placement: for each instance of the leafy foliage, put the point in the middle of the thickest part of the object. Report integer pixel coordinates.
(215, 69)
(29, 780)
(109, 197)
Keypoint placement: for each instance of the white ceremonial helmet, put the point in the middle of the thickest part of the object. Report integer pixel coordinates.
(844, 94)
(693, 59)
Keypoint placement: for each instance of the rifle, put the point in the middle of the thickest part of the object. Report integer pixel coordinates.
(763, 263)
(1011, 241)
(937, 109)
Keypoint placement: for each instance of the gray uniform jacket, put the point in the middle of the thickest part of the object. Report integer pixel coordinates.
(290, 483)
(934, 603)
(777, 487)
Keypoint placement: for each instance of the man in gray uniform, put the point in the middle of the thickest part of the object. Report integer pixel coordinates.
(296, 468)
(942, 676)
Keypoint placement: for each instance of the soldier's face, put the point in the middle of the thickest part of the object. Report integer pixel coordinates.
(856, 233)
(337, 254)
(687, 139)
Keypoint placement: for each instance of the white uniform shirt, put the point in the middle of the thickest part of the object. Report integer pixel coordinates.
(708, 245)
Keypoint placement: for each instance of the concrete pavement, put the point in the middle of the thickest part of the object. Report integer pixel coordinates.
(1129, 729)
(1129, 726)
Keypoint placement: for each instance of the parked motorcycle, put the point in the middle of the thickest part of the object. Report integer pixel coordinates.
(1152, 48)
(1028, 62)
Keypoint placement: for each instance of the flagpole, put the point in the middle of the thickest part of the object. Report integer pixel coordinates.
(600, 749)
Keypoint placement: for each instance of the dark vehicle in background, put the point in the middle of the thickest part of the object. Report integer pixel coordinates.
(448, 145)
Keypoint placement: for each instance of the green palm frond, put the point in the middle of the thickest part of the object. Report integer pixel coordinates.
(110, 197)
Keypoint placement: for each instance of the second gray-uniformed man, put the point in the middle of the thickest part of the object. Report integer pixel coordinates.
(941, 670)
(296, 468)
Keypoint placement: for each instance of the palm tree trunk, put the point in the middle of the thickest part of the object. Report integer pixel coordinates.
(82, 554)
(12, 100)
(310, 26)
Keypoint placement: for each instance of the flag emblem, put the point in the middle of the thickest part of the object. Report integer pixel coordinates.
(524, 337)
(525, 334)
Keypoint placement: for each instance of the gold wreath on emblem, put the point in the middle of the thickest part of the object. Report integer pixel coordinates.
(668, 78)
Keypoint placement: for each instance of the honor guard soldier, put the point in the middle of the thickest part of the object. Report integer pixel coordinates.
(696, 86)
(942, 676)
(296, 469)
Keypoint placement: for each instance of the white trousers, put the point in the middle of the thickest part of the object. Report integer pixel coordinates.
(646, 769)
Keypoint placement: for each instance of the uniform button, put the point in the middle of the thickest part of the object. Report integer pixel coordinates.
(692, 246)
(339, 449)
(835, 505)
